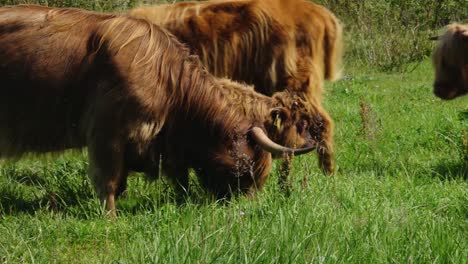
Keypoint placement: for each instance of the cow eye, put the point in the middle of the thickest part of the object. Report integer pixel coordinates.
(303, 124)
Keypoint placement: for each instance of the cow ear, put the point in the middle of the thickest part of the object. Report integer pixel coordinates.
(279, 115)
(461, 32)
(464, 34)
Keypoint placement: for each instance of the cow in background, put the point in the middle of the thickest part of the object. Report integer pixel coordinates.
(124, 88)
(271, 44)
(450, 59)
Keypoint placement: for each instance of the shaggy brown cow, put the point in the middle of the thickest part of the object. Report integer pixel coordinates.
(272, 44)
(279, 115)
(450, 60)
(126, 89)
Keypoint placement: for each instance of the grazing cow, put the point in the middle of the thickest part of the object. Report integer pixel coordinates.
(129, 91)
(285, 117)
(450, 61)
(271, 44)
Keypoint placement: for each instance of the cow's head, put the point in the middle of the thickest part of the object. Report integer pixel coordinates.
(450, 61)
(292, 121)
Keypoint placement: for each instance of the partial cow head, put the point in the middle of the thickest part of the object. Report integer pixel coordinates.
(293, 121)
(450, 61)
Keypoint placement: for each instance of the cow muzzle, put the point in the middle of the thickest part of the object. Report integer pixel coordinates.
(445, 91)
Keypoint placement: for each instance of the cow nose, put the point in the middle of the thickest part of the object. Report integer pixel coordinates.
(444, 91)
(441, 93)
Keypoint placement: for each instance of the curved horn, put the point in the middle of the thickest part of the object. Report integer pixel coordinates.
(267, 144)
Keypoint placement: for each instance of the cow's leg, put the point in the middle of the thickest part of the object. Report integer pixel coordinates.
(177, 174)
(325, 146)
(108, 171)
(122, 189)
(181, 180)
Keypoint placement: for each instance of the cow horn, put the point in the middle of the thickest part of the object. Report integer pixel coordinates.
(267, 144)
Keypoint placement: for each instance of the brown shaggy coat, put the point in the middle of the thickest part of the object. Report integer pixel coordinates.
(272, 44)
(287, 118)
(127, 90)
(450, 61)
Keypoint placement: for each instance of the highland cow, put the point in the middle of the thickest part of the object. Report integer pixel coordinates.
(271, 44)
(287, 118)
(450, 61)
(129, 92)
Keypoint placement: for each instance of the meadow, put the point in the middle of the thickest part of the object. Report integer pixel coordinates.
(400, 193)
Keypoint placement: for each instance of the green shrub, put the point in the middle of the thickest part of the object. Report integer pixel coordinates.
(390, 34)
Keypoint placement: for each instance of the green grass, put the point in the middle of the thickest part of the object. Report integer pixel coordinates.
(400, 195)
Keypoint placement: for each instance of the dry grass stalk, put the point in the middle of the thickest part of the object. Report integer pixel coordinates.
(369, 124)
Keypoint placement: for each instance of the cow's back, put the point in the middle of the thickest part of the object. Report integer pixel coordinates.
(43, 47)
(230, 37)
(66, 72)
(272, 45)
(44, 71)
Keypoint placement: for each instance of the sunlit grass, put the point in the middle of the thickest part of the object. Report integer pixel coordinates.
(400, 195)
